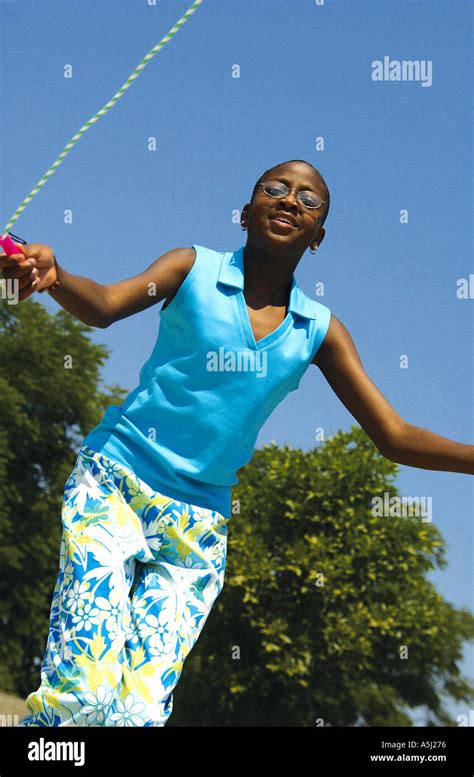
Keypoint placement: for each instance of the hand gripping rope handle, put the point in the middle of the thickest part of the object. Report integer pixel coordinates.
(9, 247)
(6, 242)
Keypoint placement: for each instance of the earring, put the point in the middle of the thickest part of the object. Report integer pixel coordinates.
(313, 252)
(242, 226)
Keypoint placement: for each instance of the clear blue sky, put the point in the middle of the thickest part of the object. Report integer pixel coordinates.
(305, 73)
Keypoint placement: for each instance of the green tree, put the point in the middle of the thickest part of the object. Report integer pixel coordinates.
(326, 616)
(49, 375)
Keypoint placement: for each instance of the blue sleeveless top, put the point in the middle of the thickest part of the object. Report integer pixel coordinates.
(208, 386)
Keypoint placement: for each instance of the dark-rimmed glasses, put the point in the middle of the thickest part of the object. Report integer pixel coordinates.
(280, 189)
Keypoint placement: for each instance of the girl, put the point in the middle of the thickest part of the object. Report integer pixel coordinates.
(146, 507)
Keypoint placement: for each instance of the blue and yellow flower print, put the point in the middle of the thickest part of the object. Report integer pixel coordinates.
(138, 575)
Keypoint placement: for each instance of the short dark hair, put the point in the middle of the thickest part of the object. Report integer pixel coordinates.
(328, 196)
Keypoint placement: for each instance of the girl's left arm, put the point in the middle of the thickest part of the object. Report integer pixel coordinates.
(395, 438)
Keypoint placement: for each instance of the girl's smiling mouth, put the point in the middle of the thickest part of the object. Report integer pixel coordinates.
(282, 224)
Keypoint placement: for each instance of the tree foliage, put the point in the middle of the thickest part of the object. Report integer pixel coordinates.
(326, 616)
(49, 376)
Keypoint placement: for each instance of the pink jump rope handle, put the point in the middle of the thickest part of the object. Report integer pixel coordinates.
(8, 246)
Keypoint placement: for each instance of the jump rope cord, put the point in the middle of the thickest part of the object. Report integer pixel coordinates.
(102, 112)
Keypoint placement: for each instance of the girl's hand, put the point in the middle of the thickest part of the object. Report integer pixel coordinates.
(34, 267)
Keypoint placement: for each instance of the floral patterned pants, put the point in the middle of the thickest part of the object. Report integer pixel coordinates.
(138, 575)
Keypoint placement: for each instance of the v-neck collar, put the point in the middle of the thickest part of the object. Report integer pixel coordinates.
(231, 273)
(258, 345)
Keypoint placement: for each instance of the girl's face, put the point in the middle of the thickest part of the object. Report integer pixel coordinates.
(262, 216)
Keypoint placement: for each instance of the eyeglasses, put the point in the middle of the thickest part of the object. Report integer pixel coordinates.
(279, 189)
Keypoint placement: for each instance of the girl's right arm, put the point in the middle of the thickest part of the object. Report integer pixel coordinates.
(94, 303)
